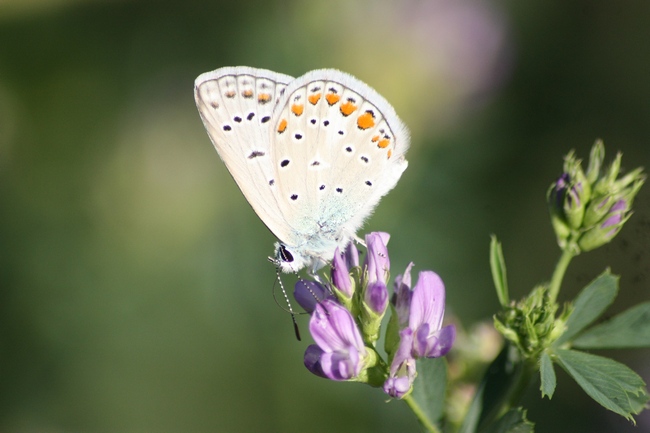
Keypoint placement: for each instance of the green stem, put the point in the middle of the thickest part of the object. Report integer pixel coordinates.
(560, 269)
(520, 387)
(419, 413)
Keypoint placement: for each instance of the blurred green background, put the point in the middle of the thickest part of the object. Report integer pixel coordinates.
(135, 295)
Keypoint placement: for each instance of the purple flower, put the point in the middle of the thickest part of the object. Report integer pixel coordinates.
(423, 309)
(427, 310)
(339, 352)
(309, 293)
(402, 369)
(341, 274)
(419, 313)
(377, 263)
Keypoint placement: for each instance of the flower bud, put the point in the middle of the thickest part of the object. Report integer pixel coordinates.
(309, 293)
(609, 226)
(351, 256)
(377, 263)
(567, 199)
(341, 278)
(374, 296)
(596, 158)
(529, 323)
(373, 308)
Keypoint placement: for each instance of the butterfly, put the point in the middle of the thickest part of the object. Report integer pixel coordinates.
(313, 155)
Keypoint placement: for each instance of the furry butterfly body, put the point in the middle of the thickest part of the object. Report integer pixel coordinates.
(312, 155)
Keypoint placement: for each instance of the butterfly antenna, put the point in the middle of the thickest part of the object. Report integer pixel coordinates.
(286, 299)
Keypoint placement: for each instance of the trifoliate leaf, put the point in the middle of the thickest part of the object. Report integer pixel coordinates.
(430, 386)
(589, 305)
(610, 383)
(628, 329)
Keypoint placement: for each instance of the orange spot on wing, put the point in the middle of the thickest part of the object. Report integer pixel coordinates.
(230, 94)
(313, 99)
(248, 93)
(390, 152)
(332, 98)
(297, 109)
(375, 139)
(282, 126)
(383, 143)
(263, 97)
(366, 120)
(348, 108)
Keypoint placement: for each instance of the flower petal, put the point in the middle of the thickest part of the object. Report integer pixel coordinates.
(402, 295)
(397, 387)
(377, 262)
(376, 297)
(341, 274)
(333, 328)
(312, 360)
(341, 365)
(402, 368)
(428, 302)
(444, 340)
(434, 344)
(310, 293)
(351, 256)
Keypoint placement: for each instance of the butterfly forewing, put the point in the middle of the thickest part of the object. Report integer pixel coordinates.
(237, 105)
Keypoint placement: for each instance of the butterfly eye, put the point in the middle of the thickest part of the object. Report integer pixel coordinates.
(285, 255)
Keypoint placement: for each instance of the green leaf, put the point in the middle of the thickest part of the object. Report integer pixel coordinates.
(547, 374)
(498, 266)
(589, 305)
(514, 421)
(628, 329)
(430, 386)
(610, 383)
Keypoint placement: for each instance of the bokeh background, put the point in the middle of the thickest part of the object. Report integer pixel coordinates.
(135, 295)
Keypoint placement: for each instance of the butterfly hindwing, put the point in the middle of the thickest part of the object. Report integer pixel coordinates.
(338, 147)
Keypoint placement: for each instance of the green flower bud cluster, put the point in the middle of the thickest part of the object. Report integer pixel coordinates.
(589, 209)
(530, 324)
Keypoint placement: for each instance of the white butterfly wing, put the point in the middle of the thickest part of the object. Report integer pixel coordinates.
(337, 148)
(237, 105)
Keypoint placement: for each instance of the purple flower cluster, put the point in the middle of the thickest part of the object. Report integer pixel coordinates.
(346, 317)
